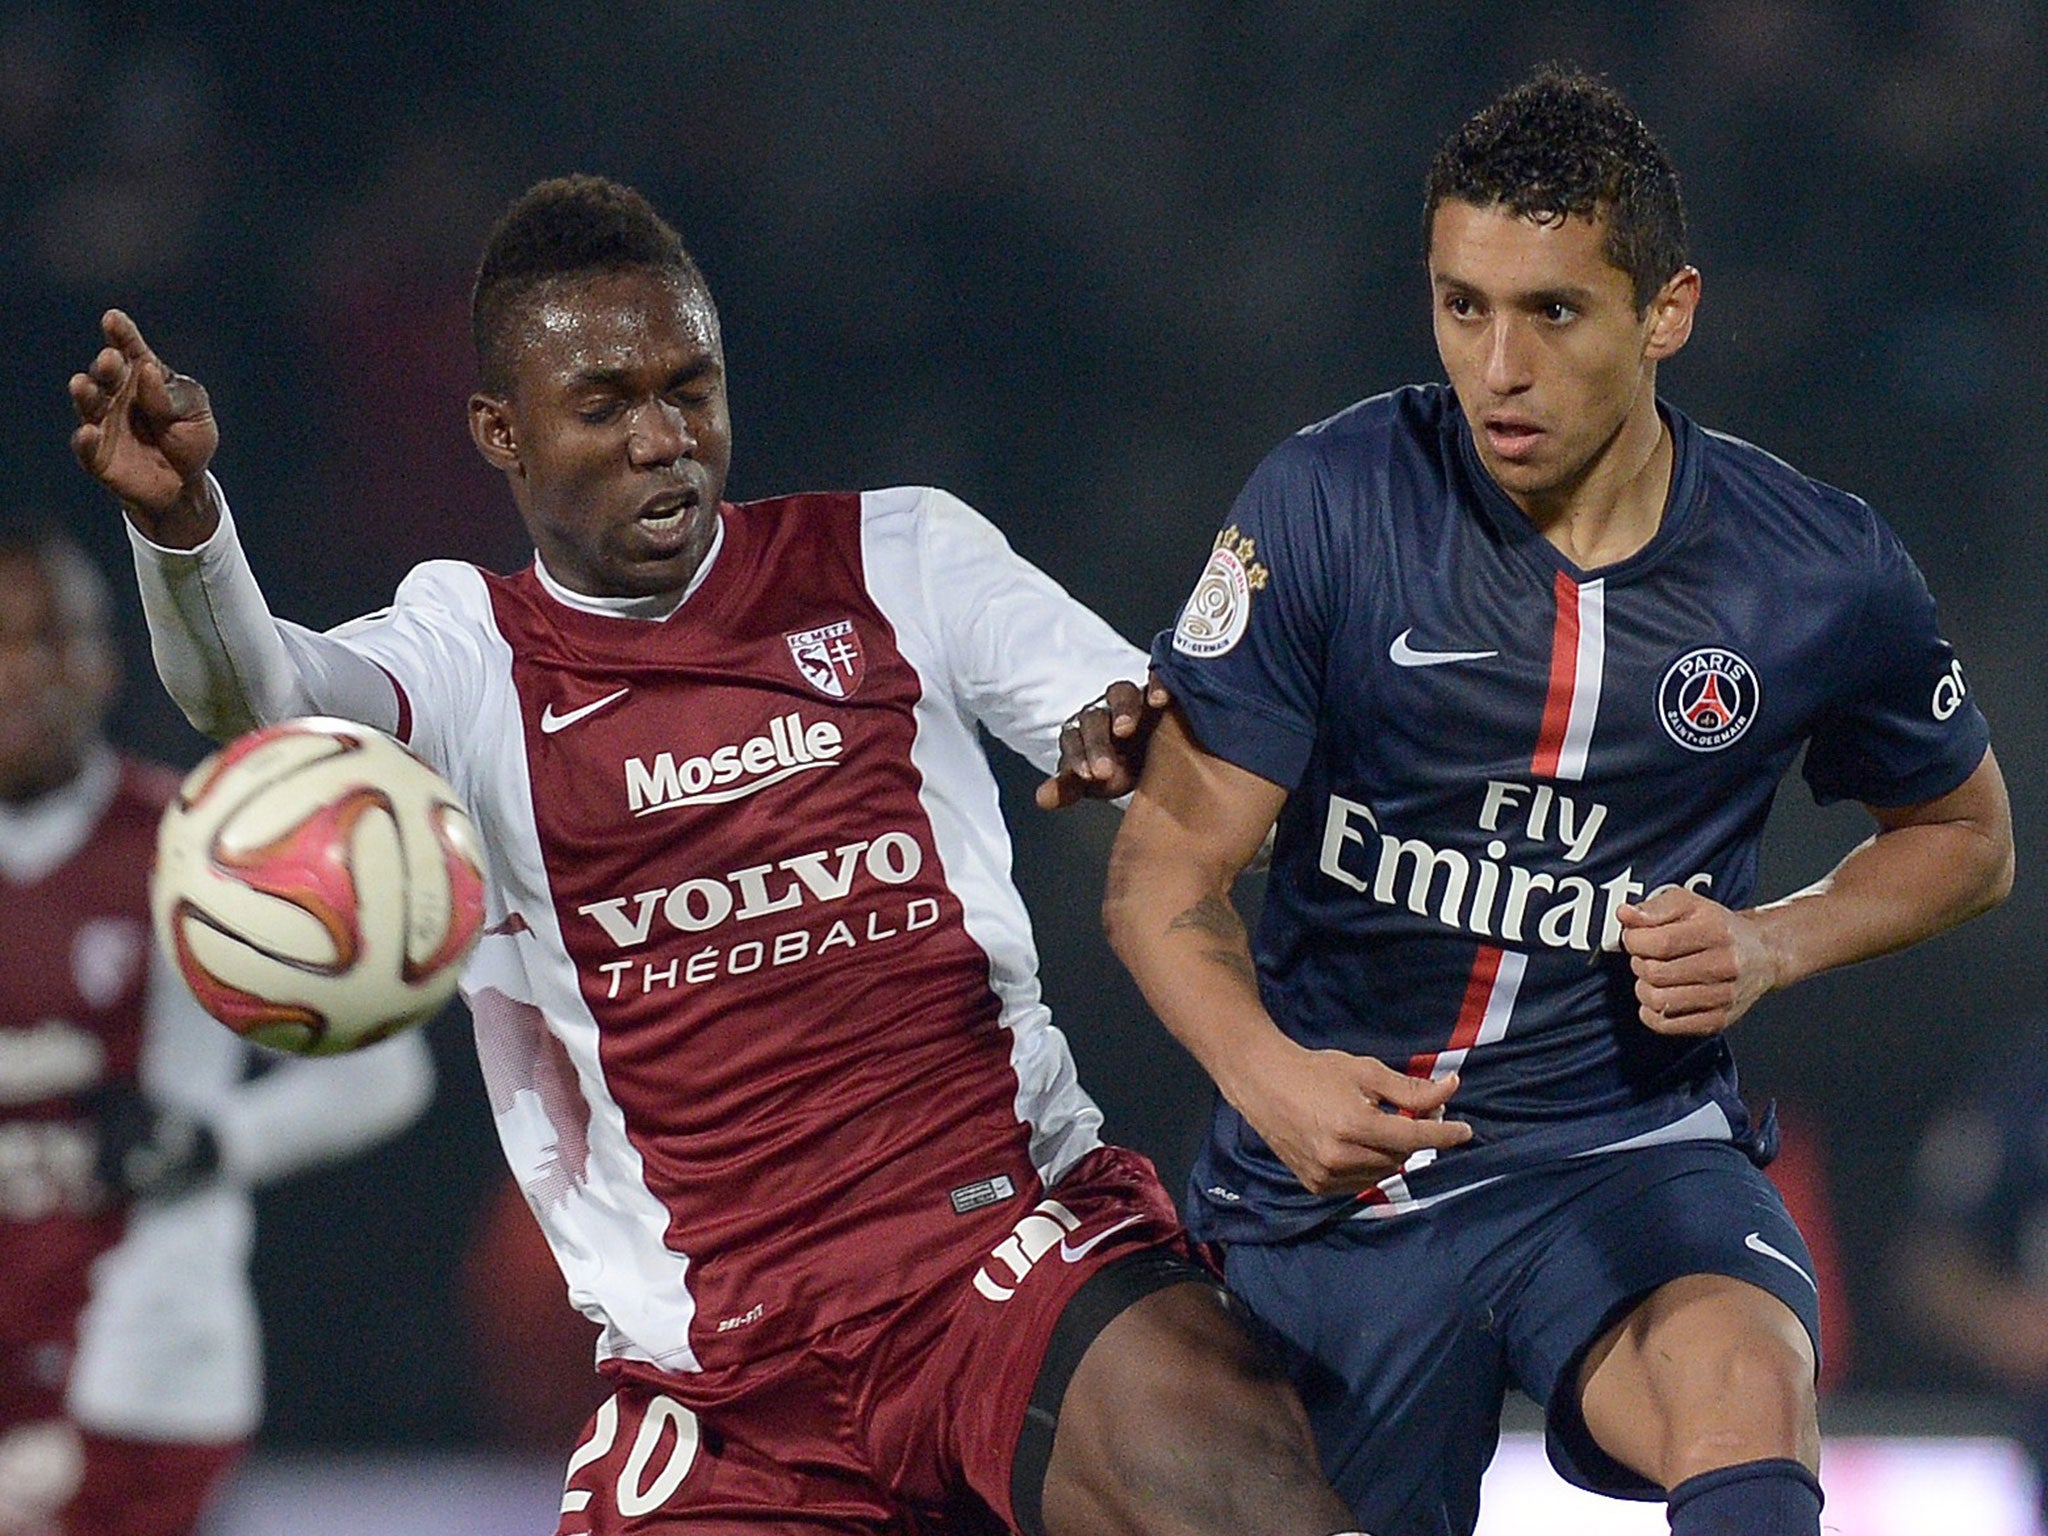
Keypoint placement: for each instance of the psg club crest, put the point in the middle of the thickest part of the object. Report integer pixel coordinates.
(1708, 698)
(830, 658)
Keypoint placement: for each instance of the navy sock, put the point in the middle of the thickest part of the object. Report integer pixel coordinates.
(1757, 1498)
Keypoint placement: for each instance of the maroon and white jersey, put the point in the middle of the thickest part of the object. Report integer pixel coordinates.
(141, 1313)
(757, 1006)
(74, 1002)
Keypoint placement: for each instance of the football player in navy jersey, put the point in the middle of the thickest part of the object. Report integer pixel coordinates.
(826, 1180)
(1515, 667)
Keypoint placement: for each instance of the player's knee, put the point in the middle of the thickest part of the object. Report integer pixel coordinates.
(1745, 1393)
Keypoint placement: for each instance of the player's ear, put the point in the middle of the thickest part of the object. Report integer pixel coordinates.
(1671, 313)
(490, 428)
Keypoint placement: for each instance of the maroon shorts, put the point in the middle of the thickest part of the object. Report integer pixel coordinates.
(904, 1420)
(137, 1488)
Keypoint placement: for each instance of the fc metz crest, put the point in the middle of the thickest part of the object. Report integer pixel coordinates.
(830, 658)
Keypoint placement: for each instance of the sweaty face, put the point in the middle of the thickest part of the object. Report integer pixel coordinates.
(56, 680)
(614, 433)
(1540, 338)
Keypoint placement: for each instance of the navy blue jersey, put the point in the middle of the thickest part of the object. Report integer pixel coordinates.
(1489, 750)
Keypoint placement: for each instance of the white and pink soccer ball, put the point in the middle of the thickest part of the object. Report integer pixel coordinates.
(317, 886)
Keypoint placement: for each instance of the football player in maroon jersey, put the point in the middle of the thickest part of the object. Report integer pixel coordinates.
(129, 1362)
(757, 1007)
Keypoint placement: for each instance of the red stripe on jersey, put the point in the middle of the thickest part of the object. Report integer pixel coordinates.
(404, 731)
(1564, 671)
(1471, 1013)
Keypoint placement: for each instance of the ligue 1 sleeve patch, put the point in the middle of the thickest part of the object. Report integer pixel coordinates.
(1220, 607)
(1708, 698)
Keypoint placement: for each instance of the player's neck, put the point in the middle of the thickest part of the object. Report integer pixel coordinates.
(1616, 507)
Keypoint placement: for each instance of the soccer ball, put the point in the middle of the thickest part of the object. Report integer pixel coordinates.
(318, 886)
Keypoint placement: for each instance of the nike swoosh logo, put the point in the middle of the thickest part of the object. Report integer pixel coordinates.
(1755, 1244)
(550, 722)
(1075, 1253)
(1405, 655)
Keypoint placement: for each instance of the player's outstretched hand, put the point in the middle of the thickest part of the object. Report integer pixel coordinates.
(1102, 748)
(1342, 1123)
(1698, 965)
(147, 434)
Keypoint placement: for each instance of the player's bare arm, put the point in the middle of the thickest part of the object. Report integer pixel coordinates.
(1102, 748)
(147, 433)
(1699, 966)
(1339, 1122)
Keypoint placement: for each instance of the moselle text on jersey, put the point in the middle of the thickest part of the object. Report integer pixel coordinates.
(1488, 751)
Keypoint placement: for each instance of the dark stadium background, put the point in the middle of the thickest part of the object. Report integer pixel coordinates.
(1083, 265)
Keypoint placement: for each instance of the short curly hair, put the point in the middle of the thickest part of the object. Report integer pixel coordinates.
(1563, 144)
(565, 227)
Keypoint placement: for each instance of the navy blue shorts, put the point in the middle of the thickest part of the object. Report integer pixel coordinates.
(1404, 1334)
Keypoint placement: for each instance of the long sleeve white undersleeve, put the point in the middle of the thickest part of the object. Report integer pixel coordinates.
(227, 662)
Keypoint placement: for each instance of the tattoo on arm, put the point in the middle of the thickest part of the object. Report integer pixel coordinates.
(1212, 915)
(1215, 916)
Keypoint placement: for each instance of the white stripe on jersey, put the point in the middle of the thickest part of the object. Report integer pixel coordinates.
(924, 552)
(1399, 1202)
(1707, 1123)
(607, 1229)
(1588, 666)
(1493, 1023)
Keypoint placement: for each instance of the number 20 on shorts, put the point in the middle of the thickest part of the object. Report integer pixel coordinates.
(635, 1494)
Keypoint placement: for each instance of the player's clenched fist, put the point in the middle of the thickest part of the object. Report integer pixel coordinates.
(1698, 965)
(1341, 1123)
(147, 434)
(1102, 747)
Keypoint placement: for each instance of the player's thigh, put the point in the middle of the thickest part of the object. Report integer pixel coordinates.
(964, 1396)
(1393, 1352)
(1628, 1226)
(143, 1488)
(1175, 1420)
(775, 1457)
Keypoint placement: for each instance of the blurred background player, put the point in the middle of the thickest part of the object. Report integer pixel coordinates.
(1516, 665)
(1971, 1268)
(131, 1128)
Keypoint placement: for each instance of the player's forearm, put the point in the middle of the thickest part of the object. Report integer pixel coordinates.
(1183, 942)
(211, 633)
(226, 661)
(1896, 889)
